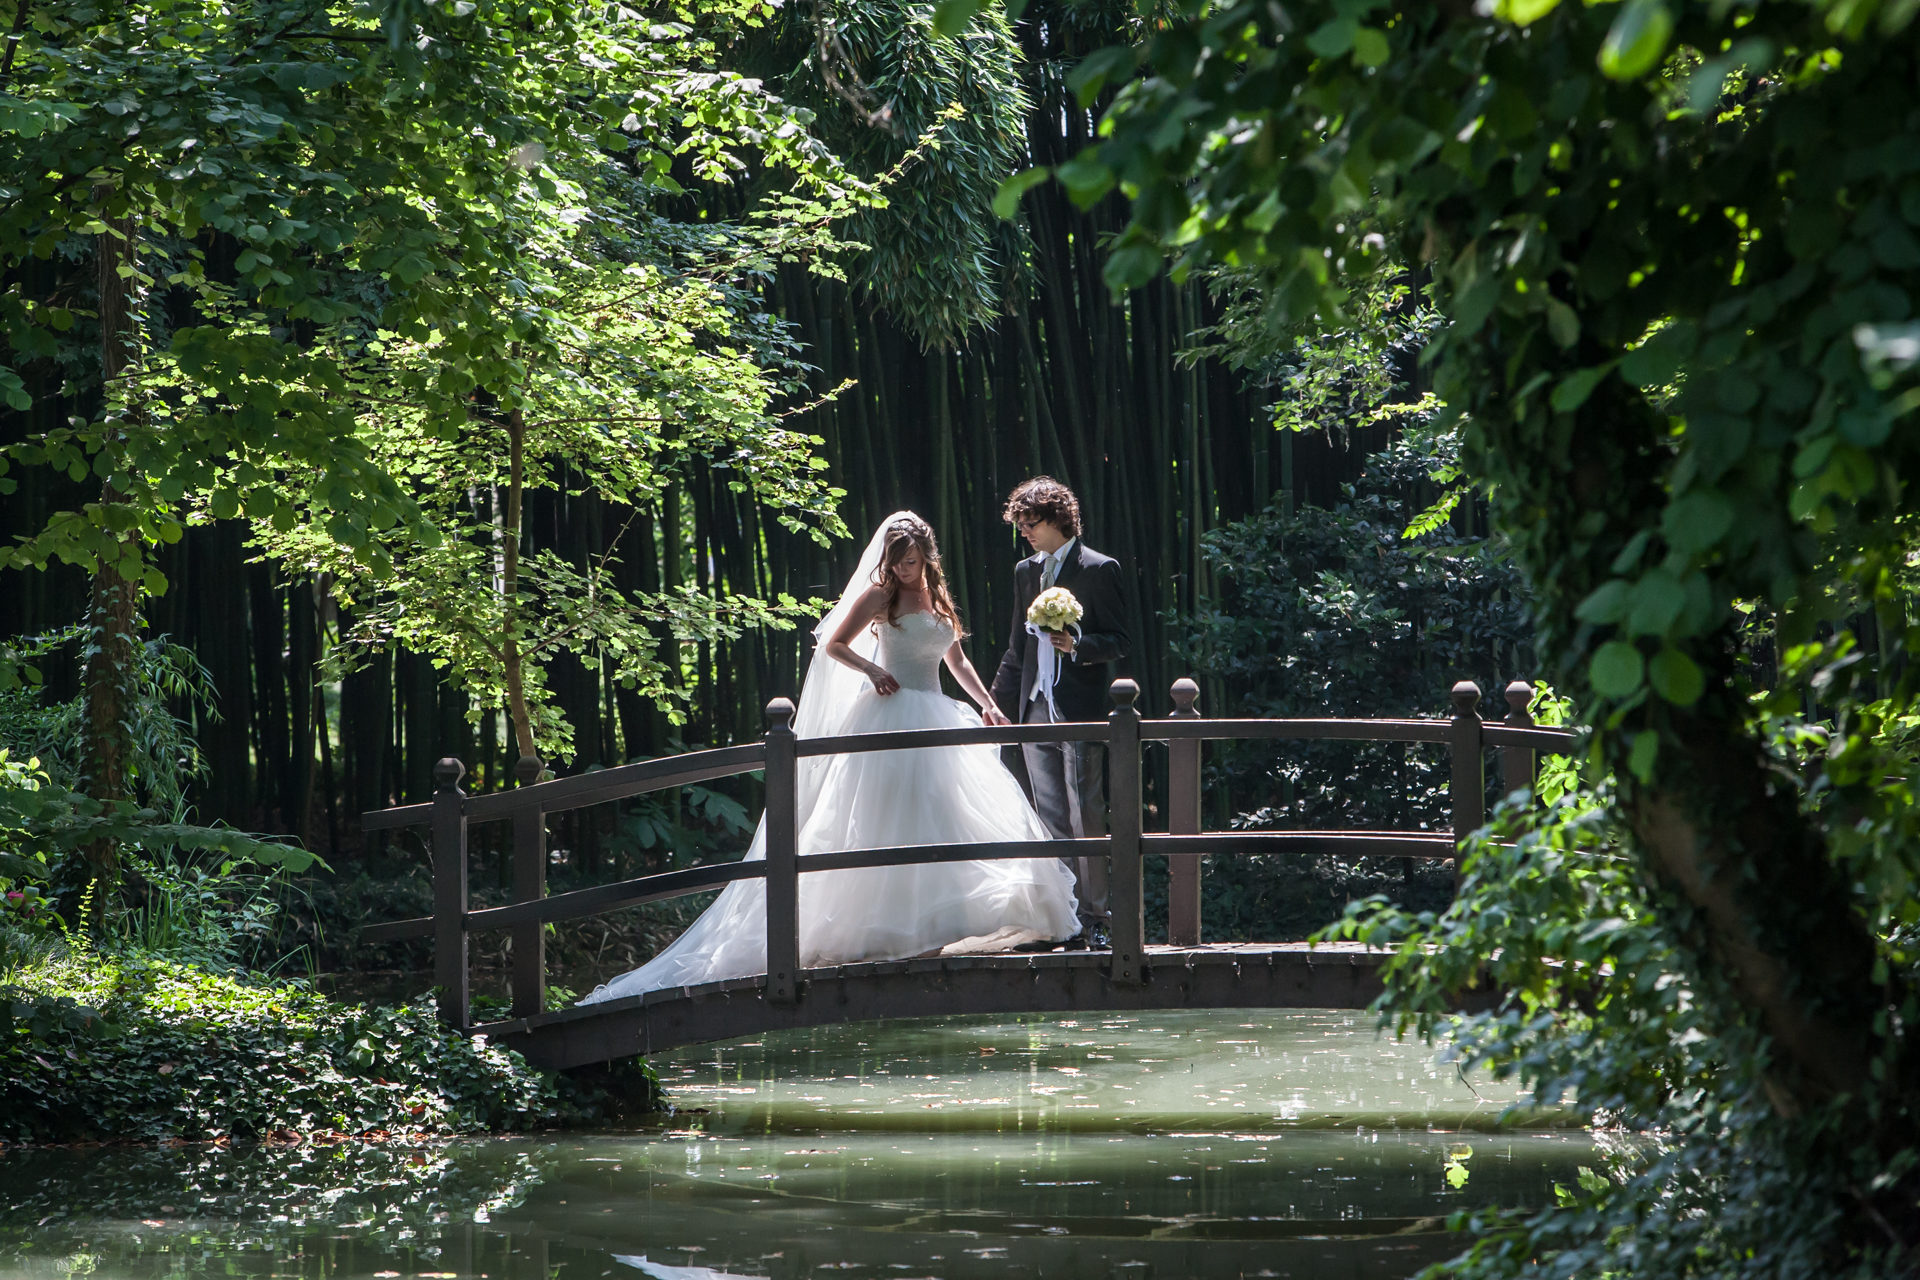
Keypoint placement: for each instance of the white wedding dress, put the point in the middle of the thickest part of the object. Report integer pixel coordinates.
(877, 800)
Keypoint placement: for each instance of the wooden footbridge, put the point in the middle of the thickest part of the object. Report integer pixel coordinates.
(1187, 973)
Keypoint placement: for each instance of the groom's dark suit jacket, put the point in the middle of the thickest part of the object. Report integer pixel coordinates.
(1081, 693)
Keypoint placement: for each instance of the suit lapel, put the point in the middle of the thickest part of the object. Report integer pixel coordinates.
(1070, 567)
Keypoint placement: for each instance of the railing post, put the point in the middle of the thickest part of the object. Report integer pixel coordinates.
(450, 892)
(783, 867)
(1517, 764)
(1469, 788)
(529, 884)
(1183, 819)
(1123, 837)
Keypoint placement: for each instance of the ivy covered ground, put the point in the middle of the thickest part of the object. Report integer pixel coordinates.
(97, 1046)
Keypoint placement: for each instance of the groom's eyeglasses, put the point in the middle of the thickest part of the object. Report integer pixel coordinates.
(1026, 526)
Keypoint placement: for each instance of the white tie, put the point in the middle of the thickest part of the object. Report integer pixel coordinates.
(1049, 572)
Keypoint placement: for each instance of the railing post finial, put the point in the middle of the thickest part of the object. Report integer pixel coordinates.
(528, 770)
(1124, 693)
(447, 772)
(1185, 694)
(1466, 699)
(1519, 699)
(779, 715)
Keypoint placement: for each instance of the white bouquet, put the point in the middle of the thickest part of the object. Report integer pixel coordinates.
(1054, 609)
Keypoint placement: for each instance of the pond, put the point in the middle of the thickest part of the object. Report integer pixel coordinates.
(1276, 1143)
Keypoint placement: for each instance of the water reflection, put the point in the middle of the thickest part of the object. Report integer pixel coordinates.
(1147, 1073)
(1268, 1145)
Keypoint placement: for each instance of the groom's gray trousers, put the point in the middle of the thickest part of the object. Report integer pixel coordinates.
(1070, 792)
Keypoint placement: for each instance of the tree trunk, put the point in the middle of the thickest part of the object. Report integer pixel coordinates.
(510, 657)
(114, 596)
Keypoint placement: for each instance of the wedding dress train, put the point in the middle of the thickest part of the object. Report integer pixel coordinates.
(881, 799)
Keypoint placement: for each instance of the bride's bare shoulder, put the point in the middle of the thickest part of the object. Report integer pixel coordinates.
(867, 606)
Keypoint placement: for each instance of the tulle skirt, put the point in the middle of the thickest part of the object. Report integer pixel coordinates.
(876, 800)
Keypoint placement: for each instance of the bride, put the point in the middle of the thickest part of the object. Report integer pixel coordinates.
(876, 668)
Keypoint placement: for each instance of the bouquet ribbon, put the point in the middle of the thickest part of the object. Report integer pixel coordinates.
(1050, 665)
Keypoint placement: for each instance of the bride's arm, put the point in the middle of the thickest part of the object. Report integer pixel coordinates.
(868, 607)
(969, 679)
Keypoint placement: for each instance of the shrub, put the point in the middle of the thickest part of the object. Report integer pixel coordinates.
(94, 1045)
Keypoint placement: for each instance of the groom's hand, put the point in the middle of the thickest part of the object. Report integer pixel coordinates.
(1062, 640)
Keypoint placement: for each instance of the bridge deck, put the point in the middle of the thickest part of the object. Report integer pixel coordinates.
(1215, 976)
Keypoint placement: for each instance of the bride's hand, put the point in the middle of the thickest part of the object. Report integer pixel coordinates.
(883, 683)
(994, 715)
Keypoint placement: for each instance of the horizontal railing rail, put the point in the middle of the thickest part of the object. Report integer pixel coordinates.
(1183, 844)
(1297, 730)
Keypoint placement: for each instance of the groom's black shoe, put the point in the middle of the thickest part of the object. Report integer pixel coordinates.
(1098, 936)
(1078, 942)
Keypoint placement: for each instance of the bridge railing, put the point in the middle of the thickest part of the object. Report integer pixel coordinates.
(1468, 738)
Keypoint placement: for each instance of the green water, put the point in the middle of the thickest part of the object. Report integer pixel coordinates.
(1256, 1144)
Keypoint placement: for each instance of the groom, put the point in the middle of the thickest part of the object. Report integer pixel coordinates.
(1069, 778)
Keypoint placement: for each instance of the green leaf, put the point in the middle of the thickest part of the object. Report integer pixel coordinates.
(950, 17)
(1370, 47)
(1617, 670)
(1676, 677)
(1006, 201)
(1333, 37)
(1698, 520)
(1637, 40)
(1132, 266)
(1606, 603)
(1091, 76)
(1085, 178)
(1576, 387)
(1646, 750)
(1562, 323)
(1658, 599)
(1523, 12)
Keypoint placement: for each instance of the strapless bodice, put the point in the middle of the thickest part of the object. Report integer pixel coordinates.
(911, 651)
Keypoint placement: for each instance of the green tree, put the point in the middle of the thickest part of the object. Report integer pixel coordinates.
(260, 188)
(1676, 246)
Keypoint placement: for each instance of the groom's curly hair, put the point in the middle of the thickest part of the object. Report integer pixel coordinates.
(1044, 498)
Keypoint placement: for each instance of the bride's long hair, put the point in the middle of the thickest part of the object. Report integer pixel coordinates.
(911, 534)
